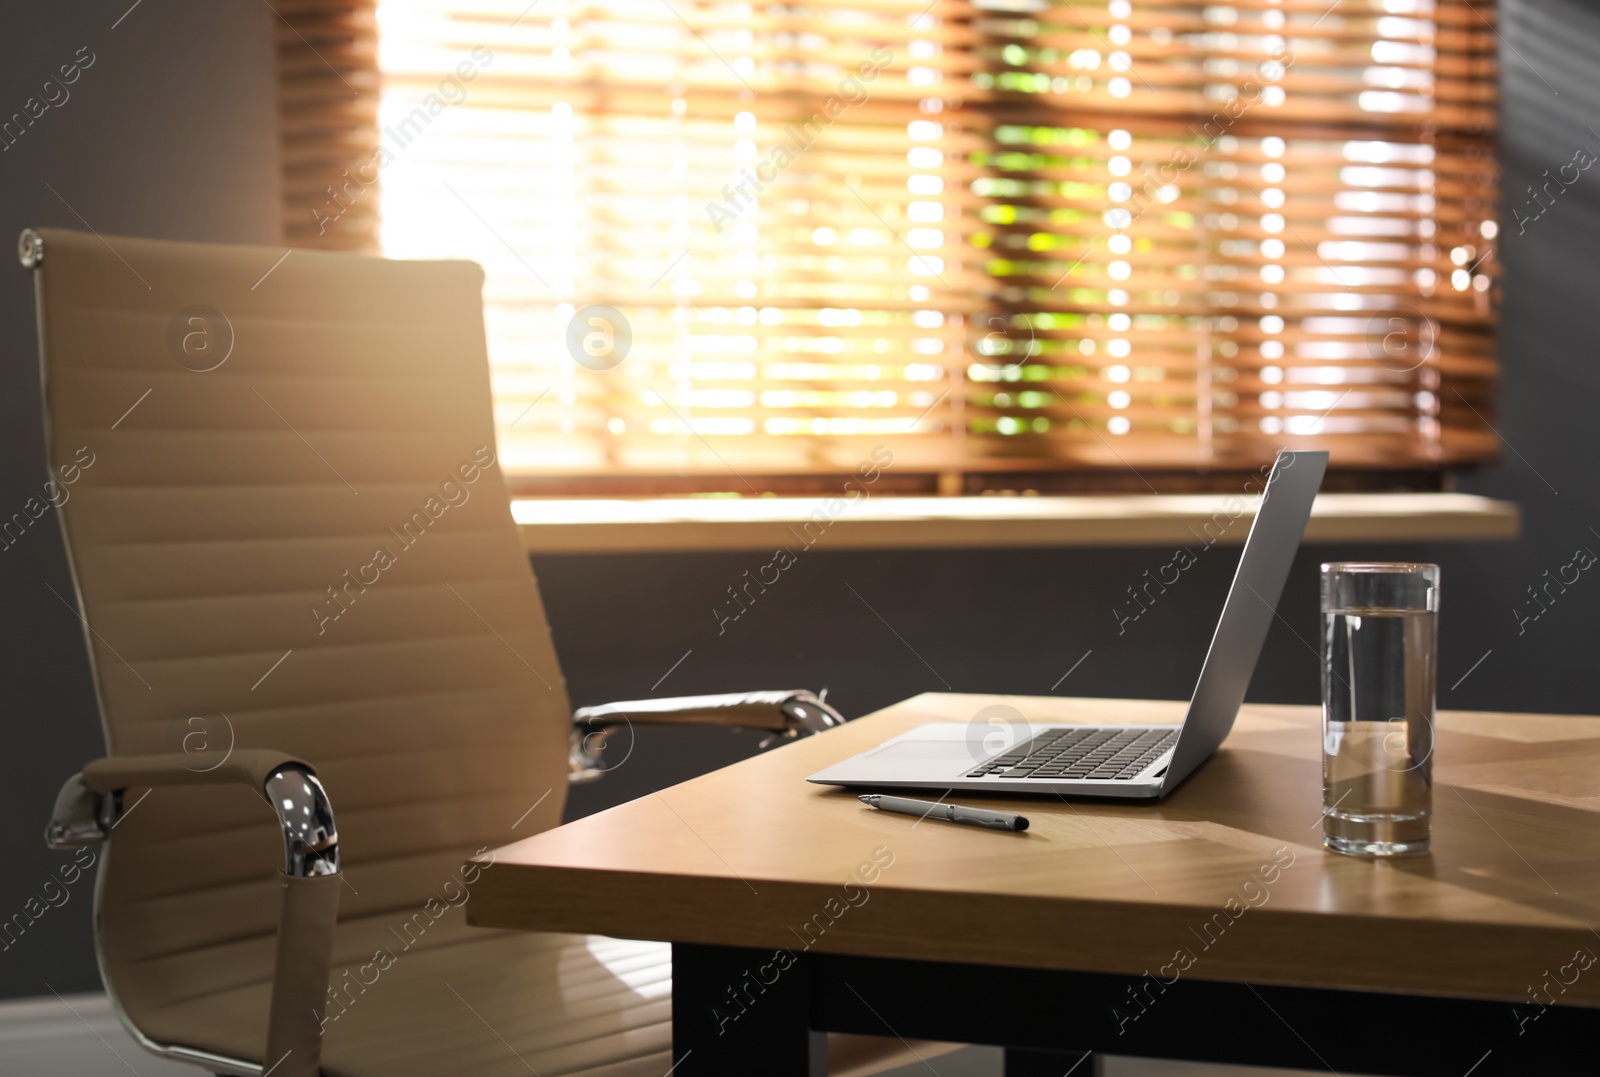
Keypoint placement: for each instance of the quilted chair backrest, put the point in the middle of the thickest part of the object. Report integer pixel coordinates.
(277, 479)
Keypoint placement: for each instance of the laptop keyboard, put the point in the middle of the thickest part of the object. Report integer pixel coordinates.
(1117, 754)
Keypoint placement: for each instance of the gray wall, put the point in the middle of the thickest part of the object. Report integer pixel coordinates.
(171, 134)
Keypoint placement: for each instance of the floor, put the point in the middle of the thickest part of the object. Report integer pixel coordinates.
(79, 1035)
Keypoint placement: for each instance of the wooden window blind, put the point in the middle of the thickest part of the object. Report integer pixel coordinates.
(328, 96)
(1019, 243)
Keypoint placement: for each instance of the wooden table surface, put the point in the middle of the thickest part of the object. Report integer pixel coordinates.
(1223, 880)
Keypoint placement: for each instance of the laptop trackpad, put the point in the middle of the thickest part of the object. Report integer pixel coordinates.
(908, 751)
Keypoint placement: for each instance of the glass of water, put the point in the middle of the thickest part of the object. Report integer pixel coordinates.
(1380, 631)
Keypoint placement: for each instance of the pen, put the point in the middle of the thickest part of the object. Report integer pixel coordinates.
(954, 813)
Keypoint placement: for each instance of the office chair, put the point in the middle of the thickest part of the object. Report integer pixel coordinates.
(296, 568)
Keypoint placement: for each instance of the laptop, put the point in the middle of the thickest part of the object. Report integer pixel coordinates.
(1120, 760)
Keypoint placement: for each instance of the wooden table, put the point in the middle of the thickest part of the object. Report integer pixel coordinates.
(1210, 925)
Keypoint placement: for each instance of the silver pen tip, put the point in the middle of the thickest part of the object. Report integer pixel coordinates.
(864, 799)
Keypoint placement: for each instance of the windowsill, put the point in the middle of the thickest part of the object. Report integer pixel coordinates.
(582, 525)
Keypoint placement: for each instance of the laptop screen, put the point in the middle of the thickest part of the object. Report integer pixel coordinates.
(1251, 605)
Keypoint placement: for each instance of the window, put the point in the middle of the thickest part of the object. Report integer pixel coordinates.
(736, 246)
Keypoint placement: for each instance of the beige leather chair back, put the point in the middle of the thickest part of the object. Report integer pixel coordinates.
(288, 530)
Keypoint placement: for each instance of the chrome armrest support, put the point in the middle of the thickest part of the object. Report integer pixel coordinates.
(90, 802)
(310, 840)
(787, 715)
(81, 816)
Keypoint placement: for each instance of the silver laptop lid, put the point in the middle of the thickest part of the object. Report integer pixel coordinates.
(1252, 602)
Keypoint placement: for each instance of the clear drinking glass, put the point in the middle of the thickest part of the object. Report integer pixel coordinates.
(1380, 631)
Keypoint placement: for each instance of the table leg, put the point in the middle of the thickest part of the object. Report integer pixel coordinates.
(1023, 1062)
(743, 1011)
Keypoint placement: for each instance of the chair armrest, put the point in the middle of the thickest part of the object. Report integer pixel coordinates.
(787, 714)
(88, 808)
(254, 766)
